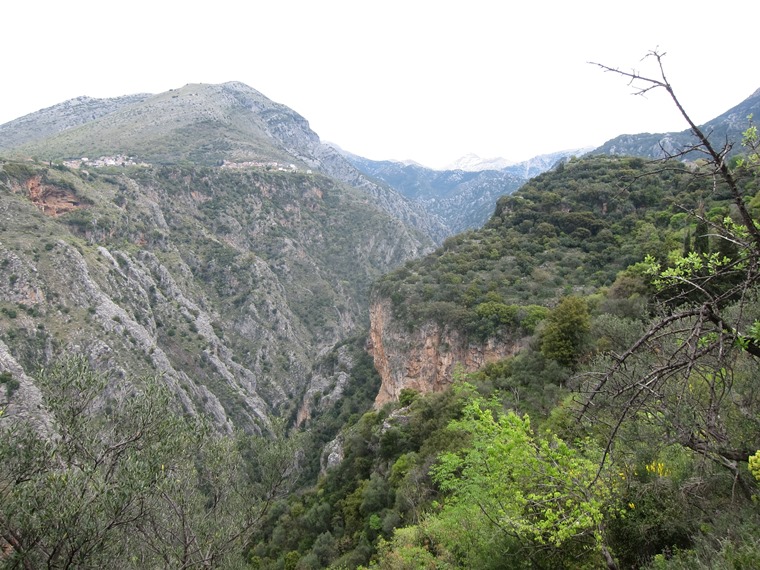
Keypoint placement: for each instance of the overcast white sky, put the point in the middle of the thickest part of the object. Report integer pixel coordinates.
(413, 79)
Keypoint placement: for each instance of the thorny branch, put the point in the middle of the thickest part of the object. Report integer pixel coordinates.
(711, 338)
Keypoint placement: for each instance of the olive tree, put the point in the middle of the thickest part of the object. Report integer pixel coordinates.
(126, 481)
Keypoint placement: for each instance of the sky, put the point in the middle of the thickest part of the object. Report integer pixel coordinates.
(428, 81)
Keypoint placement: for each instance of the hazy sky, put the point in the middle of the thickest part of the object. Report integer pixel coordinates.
(414, 79)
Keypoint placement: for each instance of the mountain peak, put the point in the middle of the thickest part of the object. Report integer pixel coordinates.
(199, 122)
(473, 163)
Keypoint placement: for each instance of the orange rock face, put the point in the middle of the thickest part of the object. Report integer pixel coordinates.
(426, 359)
(50, 199)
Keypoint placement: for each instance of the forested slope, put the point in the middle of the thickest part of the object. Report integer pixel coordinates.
(514, 467)
(595, 351)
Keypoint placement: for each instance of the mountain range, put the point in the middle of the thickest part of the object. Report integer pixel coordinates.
(462, 197)
(198, 124)
(204, 234)
(208, 234)
(200, 259)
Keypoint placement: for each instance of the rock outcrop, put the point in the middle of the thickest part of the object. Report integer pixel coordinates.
(426, 359)
(27, 405)
(50, 199)
(326, 388)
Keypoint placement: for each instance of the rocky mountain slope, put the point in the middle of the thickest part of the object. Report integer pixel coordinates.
(725, 127)
(481, 295)
(230, 275)
(230, 284)
(462, 198)
(61, 117)
(200, 124)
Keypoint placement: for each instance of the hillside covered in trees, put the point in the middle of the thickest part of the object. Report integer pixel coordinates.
(624, 435)
(512, 467)
(622, 431)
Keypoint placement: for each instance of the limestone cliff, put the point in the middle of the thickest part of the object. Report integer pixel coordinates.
(228, 284)
(425, 359)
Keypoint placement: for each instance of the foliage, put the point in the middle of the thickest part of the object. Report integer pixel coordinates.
(693, 370)
(565, 332)
(381, 484)
(738, 547)
(754, 465)
(565, 232)
(10, 383)
(126, 481)
(542, 495)
(685, 387)
(356, 397)
(510, 499)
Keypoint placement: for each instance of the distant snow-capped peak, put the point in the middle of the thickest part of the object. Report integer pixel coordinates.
(473, 163)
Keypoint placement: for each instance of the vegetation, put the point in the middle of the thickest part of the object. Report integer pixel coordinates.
(122, 478)
(212, 272)
(569, 231)
(537, 491)
(625, 434)
(650, 342)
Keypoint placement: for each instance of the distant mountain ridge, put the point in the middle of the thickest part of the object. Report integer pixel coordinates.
(197, 123)
(463, 199)
(60, 117)
(231, 122)
(543, 162)
(725, 127)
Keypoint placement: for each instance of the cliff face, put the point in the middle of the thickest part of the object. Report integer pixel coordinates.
(228, 284)
(424, 360)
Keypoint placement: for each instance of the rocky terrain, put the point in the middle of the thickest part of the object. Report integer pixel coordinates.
(205, 235)
(63, 116)
(233, 282)
(428, 359)
(201, 124)
(230, 284)
(462, 198)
